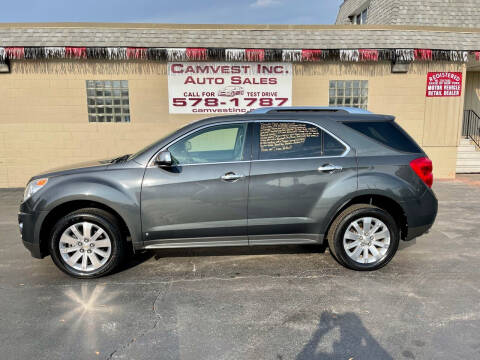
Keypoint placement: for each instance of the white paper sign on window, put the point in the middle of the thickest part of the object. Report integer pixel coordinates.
(227, 88)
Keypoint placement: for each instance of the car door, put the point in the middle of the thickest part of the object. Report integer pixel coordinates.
(298, 172)
(202, 199)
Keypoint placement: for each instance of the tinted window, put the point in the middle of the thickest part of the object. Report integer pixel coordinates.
(220, 143)
(331, 146)
(286, 140)
(387, 133)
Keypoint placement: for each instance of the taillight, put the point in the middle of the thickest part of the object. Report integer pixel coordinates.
(423, 168)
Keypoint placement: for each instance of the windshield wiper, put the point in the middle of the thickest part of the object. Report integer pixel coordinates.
(120, 159)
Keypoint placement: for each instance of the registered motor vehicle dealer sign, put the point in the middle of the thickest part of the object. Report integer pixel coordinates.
(227, 88)
(444, 84)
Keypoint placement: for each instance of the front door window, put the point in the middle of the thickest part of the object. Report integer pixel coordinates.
(215, 144)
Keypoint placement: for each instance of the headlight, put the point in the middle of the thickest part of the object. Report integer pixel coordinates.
(33, 187)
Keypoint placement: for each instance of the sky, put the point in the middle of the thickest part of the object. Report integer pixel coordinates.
(173, 11)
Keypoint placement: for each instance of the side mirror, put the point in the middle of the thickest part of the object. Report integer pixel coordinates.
(164, 159)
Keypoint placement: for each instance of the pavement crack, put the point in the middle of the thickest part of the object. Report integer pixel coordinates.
(158, 299)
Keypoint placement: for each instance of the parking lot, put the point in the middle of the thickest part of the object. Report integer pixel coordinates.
(291, 302)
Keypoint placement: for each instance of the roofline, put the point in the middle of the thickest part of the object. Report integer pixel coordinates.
(265, 27)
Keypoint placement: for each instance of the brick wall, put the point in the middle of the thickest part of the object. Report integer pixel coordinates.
(454, 13)
(44, 123)
(347, 8)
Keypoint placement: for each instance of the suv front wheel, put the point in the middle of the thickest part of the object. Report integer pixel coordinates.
(87, 243)
(363, 237)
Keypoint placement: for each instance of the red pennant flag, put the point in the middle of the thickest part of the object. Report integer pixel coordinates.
(76, 52)
(255, 54)
(196, 53)
(423, 54)
(311, 55)
(15, 53)
(136, 53)
(368, 55)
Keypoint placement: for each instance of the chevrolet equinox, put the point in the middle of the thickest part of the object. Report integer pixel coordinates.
(340, 176)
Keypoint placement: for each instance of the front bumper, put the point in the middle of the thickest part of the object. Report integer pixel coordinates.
(27, 223)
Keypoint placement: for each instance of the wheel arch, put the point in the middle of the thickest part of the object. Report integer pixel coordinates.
(69, 206)
(382, 201)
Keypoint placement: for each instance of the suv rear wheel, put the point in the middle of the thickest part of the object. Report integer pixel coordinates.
(87, 243)
(363, 237)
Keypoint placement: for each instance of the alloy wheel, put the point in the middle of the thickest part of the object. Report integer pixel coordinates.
(85, 246)
(366, 240)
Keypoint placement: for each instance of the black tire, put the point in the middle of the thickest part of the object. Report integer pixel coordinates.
(340, 225)
(101, 218)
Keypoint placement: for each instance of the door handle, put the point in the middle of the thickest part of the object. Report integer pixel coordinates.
(231, 176)
(329, 168)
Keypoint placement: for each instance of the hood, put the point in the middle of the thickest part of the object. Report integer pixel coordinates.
(75, 168)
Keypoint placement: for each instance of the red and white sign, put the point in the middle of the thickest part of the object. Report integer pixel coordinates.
(444, 84)
(227, 88)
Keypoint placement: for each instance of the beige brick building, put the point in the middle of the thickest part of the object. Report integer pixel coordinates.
(46, 116)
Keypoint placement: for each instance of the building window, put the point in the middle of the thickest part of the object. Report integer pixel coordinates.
(360, 18)
(108, 101)
(352, 93)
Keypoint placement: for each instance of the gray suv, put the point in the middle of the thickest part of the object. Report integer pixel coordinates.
(341, 176)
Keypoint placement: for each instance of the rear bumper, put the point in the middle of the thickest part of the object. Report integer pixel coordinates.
(421, 214)
(27, 223)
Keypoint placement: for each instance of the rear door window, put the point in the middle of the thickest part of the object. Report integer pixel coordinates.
(331, 146)
(388, 133)
(289, 140)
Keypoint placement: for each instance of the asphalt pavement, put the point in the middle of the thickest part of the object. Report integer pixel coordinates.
(291, 302)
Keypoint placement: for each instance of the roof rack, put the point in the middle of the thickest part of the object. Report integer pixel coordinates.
(305, 109)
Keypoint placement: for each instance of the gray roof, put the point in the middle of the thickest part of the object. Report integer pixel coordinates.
(457, 13)
(239, 36)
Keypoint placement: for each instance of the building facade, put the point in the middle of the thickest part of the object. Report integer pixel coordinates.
(444, 13)
(76, 92)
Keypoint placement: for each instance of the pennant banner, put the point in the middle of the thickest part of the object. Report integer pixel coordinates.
(137, 53)
(235, 54)
(292, 55)
(75, 52)
(311, 55)
(349, 55)
(368, 55)
(15, 53)
(196, 54)
(238, 55)
(159, 54)
(255, 55)
(423, 54)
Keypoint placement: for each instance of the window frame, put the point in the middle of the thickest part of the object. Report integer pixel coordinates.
(255, 142)
(247, 149)
(358, 17)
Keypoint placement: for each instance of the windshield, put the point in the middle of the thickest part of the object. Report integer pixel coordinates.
(146, 148)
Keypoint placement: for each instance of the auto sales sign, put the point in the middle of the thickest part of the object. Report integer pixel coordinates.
(444, 84)
(227, 88)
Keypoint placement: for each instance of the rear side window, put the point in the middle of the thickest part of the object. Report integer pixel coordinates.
(289, 140)
(387, 133)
